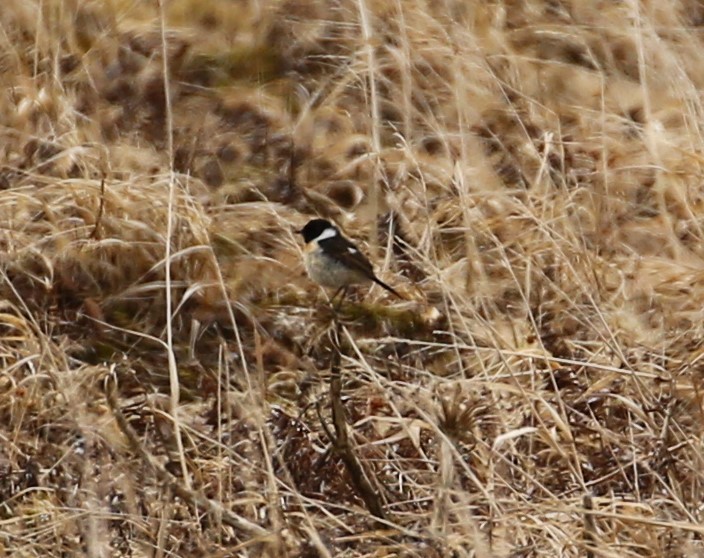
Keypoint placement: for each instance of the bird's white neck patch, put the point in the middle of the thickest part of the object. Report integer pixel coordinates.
(330, 232)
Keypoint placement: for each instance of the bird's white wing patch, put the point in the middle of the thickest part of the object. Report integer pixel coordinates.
(352, 250)
(330, 232)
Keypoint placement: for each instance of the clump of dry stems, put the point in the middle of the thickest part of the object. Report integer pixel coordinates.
(528, 174)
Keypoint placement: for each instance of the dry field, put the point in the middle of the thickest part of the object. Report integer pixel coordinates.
(527, 172)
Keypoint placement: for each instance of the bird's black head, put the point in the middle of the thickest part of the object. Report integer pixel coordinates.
(315, 228)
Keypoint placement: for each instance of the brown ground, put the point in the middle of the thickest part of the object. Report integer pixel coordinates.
(528, 173)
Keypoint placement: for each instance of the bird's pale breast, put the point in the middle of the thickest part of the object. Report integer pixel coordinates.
(329, 272)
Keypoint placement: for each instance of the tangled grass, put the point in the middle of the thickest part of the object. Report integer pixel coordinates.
(528, 174)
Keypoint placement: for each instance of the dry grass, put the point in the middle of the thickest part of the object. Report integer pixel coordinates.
(528, 173)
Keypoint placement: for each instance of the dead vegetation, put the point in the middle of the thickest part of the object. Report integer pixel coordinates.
(527, 173)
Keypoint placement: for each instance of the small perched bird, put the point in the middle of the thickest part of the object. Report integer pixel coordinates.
(333, 261)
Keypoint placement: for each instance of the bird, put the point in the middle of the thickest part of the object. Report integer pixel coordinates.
(333, 261)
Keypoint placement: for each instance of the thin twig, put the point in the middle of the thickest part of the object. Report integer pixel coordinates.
(341, 444)
(193, 497)
(589, 525)
(101, 209)
(174, 386)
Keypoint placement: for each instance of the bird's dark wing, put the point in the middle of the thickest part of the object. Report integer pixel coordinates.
(342, 250)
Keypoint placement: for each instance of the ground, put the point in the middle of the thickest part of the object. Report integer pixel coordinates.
(528, 174)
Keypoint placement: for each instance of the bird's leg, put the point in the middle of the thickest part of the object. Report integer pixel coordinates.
(334, 296)
(342, 291)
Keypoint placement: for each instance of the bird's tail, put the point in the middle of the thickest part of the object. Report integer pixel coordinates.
(390, 289)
